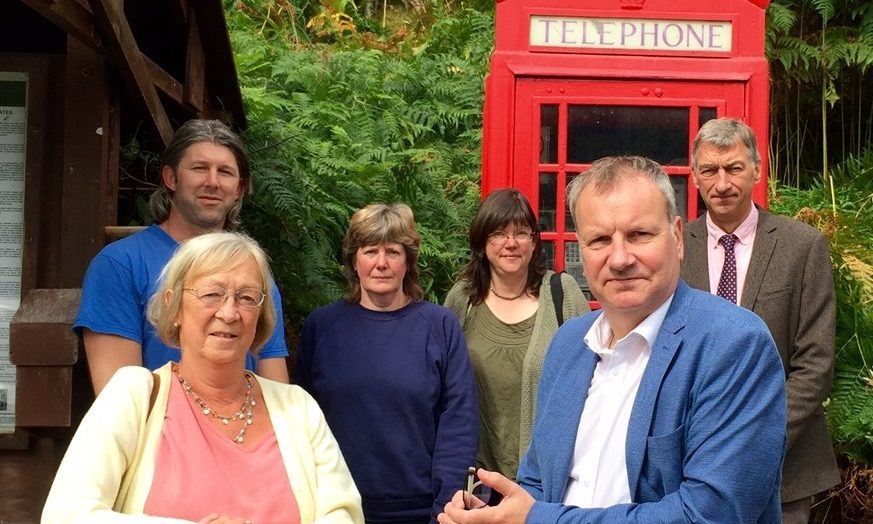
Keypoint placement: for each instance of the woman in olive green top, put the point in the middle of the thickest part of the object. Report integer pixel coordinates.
(504, 301)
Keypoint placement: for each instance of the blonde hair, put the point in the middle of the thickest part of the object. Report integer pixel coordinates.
(205, 255)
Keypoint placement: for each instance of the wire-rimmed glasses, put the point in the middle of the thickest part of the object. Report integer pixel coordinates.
(212, 296)
(500, 237)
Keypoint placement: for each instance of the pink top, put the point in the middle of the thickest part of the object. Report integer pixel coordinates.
(199, 471)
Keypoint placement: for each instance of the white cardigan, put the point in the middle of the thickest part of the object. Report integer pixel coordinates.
(106, 473)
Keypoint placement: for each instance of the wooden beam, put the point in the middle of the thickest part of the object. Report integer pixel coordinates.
(86, 143)
(70, 16)
(180, 9)
(121, 43)
(195, 66)
(165, 82)
(78, 22)
(116, 232)
(224, 92)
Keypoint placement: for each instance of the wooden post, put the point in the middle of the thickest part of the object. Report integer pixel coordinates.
(44, 350)
(90, 152)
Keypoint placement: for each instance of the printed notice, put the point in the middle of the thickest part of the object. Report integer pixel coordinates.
(13, 131)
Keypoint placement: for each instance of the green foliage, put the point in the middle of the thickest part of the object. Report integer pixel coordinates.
(334, 128)
(820, 53)
(850, 234)
(824, 8)
(383, 110)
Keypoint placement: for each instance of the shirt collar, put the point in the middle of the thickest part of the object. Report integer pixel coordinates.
(745, 231)
(598, 335)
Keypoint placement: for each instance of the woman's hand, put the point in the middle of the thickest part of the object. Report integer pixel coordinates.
(215, 518)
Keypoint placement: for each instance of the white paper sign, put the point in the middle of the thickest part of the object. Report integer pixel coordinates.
(13, 132)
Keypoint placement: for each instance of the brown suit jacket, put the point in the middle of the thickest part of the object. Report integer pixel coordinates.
(790, 285)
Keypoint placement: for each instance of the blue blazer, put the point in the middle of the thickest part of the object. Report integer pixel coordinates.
(707, 429)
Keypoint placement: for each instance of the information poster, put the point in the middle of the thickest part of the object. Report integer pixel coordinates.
(13, 131)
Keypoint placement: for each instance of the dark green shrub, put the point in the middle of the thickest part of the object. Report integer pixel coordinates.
(334, 128)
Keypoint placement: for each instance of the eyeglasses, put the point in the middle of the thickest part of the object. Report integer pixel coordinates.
(500, 237)
(215, 296)
(476, 494)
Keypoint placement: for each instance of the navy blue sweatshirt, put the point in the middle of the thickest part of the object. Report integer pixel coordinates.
(398, 393)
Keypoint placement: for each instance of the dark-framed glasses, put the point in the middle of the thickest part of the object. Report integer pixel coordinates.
(212, 296)
(476, 494)
(500, 237)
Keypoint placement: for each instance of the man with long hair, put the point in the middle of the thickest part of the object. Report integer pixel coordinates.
(204, 177)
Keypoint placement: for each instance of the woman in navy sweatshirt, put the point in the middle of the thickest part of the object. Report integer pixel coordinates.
(392, 375)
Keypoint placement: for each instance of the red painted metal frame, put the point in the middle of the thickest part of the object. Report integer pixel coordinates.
(726, 98)
(523, 77)
(514, 61)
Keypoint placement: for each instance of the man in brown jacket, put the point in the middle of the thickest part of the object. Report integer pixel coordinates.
(780, 269)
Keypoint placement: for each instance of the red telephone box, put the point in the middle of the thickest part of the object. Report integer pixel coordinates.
(571, 82)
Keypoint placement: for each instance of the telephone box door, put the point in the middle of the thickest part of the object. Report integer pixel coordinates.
(567, 124)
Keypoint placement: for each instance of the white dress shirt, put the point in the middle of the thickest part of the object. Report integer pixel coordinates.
(745, 232)
(598, 477)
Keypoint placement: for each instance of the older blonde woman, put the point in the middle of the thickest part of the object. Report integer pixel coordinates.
(205, 440)
(392, 374)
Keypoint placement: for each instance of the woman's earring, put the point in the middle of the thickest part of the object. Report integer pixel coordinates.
(176, 325)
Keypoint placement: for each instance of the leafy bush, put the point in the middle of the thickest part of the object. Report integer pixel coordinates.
(820, 53)
(334, 128)
(848, 226)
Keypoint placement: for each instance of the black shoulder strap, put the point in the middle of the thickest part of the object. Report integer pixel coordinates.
(558, 296)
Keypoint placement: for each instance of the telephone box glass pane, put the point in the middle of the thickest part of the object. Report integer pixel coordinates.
(549, 255)
(706, 114)
(680, 187)
(573, 265)
(548, 201)
(548, 134)
(569, 225)
(659, 133)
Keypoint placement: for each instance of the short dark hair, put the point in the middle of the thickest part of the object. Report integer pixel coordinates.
(501, 208)
(193, 132)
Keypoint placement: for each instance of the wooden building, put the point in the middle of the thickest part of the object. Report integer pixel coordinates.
(85, 78)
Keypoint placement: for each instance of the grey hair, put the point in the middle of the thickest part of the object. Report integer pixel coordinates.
(724, 133)
(606, 172)
(193, 132)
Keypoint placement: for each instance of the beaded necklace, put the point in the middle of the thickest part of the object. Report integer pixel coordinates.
(498, 295)
(245, 410)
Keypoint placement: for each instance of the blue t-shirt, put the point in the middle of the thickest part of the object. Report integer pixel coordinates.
(118, 285)
(398, 393)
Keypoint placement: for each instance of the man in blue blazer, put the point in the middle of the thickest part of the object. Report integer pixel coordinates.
(667, 405)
